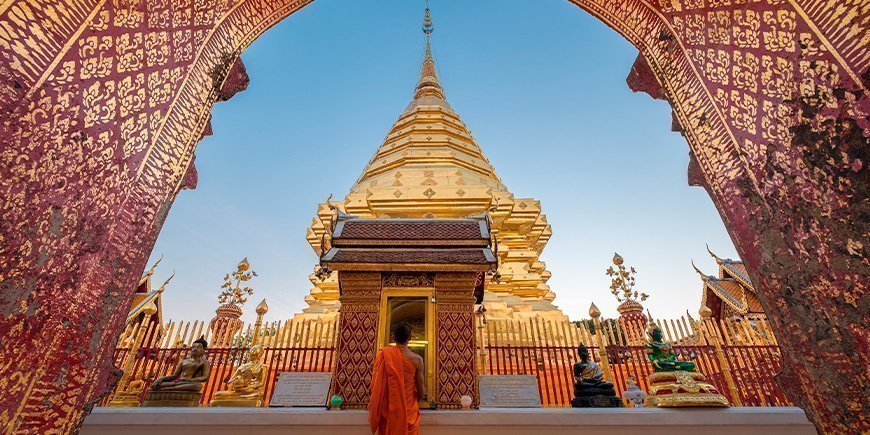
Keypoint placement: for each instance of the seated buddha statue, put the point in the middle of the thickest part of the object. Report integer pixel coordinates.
(590, 390)
(245, 387)
(129, 395)
(183, 387)
(675, 383)
(661, 355)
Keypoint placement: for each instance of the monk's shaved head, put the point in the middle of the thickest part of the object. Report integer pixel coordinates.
(402, 332)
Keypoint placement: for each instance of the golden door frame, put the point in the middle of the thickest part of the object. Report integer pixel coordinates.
(384, 322)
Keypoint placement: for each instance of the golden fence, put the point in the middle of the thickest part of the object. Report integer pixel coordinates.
(150, 351)
(740, 358)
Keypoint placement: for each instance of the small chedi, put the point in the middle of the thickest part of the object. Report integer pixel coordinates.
(245, 387)
(622, 286)
(676, 383)
(184, 386)
(234, 294)
(590, 390)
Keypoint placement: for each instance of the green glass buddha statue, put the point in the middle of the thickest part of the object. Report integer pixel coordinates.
(661, 354)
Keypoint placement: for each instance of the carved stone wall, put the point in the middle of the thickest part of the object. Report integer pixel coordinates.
(102, 104)
(455, 373)
(357, 336)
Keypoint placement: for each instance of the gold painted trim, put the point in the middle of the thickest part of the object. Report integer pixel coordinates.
(388, 243)
(831, 49)
(181, 87)
(725, 125)
(408, 267)
(49, 70)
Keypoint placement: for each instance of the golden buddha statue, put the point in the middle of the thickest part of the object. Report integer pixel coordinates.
(128, 397)
(245, 387)
(183, 387)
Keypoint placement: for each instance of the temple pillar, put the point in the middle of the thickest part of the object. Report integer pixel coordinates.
(357, 336)
(455, 373)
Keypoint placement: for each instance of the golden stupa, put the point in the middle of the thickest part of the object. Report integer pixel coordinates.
(429, 166)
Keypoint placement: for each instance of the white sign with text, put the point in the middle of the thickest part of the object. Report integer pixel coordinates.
(301, 389)
(509, 391)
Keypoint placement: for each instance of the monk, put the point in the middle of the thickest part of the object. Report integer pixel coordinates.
(397, 386)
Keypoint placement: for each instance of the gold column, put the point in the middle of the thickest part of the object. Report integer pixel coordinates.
(127, 394)
(595, 313)
(455, 374)
(708, 331)
(262, 308)
(481, 326)
(359, 318)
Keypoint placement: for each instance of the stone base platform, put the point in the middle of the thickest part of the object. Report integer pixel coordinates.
(541, 421)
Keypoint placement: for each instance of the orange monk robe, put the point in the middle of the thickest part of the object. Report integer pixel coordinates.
(393, 408)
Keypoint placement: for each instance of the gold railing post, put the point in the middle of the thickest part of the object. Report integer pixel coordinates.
(130, 359)
(482, 328)
(708, 331)
(262, 308)
(595, 313)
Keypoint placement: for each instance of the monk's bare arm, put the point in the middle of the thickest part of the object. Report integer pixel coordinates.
(421, 386)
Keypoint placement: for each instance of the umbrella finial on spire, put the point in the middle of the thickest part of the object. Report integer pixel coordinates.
(427, 22)
(428, 86)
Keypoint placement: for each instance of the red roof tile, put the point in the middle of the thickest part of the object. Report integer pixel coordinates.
(411, 229)
(408, 256)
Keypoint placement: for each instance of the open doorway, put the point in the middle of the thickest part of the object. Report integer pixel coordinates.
(414, 307)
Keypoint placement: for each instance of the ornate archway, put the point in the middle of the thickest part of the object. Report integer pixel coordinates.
(103, 103)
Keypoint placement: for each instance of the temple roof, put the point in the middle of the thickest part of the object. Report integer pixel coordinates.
(410, 244)
(732, 286)
(411, 231)
(409, 256)
(729, 268)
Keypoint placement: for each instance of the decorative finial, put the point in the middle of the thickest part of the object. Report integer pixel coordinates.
(428, 86)
(718, 260)
(622, 281)
(150, 308)
(163, 287)
(594, 312)
(703, 275)
(262, 307)
(154, 266)
(427, 22)
(232, 292)
(705, 312)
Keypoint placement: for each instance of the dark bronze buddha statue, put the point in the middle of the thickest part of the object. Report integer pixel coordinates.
(184, 386)
(590, 389)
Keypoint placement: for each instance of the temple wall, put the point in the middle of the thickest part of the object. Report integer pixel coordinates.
(455, 343)
(358, 325)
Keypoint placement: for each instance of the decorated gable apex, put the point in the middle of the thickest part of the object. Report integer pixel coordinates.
(730, 294)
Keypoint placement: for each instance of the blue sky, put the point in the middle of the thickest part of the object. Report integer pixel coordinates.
(543, 91)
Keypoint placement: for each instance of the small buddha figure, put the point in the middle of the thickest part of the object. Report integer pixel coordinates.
(129, 395)
(245, 387)
(183, 387)
(590, 390)
(661, 355)
(675, 383)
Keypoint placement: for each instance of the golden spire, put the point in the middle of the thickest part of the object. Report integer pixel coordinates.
(428, 86)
